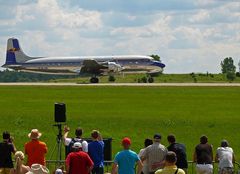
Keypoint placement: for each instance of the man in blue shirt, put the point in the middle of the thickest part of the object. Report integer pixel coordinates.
(95, 151)
(126, 159)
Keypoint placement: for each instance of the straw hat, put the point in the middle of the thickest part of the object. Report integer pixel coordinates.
(35, 134)
(38, 169)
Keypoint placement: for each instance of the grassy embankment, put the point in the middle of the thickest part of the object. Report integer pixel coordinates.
(164, 78)
(137, 112)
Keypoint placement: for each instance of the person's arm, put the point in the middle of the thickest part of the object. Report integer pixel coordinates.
(143, 156)
(194, 156)
(67, 164)
(233, 158)
(216, 158)
(212, 152)
(66, 131)
(85, 146)
(114, 168)
(45, 148)
(90, 169)
(67, 169)
(90, 163)
(14, 150)
(139, 167)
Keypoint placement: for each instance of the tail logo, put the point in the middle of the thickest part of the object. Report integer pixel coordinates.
(13, 49)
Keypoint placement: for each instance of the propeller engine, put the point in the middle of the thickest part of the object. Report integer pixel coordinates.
(114, 67)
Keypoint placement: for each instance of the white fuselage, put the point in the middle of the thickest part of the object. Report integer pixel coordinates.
(73, 65)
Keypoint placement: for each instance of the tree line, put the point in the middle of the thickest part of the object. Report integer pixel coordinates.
(14, 76)
(227, 67)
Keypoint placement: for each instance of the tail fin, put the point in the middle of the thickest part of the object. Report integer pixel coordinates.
(14, 53)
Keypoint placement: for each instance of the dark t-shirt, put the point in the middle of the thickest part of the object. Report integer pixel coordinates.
(180, 151)
(204, 153)
(5, 155)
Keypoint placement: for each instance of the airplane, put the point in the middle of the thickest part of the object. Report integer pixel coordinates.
(92, 66)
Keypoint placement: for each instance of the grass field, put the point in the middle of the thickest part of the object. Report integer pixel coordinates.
(137, 112)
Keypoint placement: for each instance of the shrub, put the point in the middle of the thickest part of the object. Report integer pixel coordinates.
(111, 79)
(238, 74)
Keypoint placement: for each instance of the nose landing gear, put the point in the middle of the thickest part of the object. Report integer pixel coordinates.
(94, 80)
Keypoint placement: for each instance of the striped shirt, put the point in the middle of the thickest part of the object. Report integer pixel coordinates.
(155, 154)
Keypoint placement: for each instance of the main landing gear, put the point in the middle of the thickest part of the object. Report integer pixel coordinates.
(150, 79)
(94, 80)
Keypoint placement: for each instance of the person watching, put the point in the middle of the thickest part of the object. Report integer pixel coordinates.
(78, 161)
(170, 165)
(20, 168)
(203, 156)
(226, 158)
(180, 151)
(95, 151)
(70, 141)
(6, 149)
(35, 149)
(155, 154)
(147, 142)
(126, 159)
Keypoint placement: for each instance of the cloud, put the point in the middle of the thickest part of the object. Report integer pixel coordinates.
(188, 35)
(58, 17)
(201, 16)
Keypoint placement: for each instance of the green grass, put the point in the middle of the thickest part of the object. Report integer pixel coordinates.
(137, 112)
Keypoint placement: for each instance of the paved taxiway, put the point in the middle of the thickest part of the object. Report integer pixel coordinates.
(122, 84)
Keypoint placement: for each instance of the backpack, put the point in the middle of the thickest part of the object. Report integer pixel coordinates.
(69, 148)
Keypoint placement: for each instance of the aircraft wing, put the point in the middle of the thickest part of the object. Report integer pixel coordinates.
(92, 66)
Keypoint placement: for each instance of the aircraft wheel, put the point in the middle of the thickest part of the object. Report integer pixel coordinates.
(150, 80)
(94, 80)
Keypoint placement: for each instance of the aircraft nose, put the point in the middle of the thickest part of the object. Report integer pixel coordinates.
(158, 63)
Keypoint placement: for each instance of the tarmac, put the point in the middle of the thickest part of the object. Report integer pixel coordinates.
(124, 84)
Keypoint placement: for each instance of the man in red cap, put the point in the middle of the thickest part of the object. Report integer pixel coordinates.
(126, 159)
(78, 162)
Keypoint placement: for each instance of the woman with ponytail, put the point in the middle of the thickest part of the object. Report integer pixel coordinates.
(20, 168)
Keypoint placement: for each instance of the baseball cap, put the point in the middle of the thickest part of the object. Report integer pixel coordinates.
(59, 171)
(157, 136)
(126, 140)
(77, 145)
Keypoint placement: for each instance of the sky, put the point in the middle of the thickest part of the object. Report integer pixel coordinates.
(188, 35)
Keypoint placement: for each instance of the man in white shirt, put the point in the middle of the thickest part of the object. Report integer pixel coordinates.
(70, 141)
(225, 157)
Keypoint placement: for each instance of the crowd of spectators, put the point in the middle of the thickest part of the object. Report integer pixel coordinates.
(85, 158)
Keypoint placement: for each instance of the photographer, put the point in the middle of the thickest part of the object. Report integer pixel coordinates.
(6, 148)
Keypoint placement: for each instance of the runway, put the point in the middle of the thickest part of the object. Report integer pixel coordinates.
(125, 84)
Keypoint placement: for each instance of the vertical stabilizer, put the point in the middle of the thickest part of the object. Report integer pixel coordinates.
(14, 53)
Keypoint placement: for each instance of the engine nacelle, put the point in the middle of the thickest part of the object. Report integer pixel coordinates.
(114, 67)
